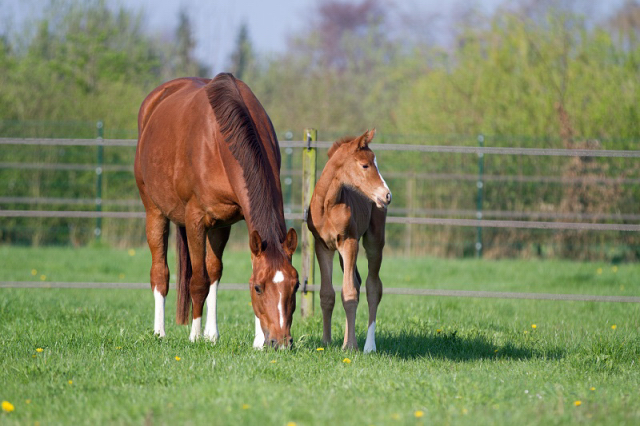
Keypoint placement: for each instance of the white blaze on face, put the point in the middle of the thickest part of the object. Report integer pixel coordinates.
(278, 278)
(375, 161)
(258, 341)
(158, 324)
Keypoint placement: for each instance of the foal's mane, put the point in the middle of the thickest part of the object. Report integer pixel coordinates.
(242, 138)
(337, 144)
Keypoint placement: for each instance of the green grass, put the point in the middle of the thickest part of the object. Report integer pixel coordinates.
(458, 360)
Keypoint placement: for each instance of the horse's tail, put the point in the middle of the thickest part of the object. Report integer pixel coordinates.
(183, 304)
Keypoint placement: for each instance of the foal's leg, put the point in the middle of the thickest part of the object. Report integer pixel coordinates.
(373, 242)
(350, 291)
(217, 239)
(199, 284)
(157, 228)
(327, 293)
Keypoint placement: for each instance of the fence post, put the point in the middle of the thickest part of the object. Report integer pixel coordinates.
(100, 133)
(480, 185)
(288, 181)
(309, 164)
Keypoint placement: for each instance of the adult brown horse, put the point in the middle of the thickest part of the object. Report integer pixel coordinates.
(350, 202)
(208, 157)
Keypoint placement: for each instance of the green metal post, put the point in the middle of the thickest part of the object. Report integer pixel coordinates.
(309, 165)
(480, 185)
(100, 128)
(288, 181)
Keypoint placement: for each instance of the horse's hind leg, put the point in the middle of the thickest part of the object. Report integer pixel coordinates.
(217, 239)
(327, 293)
(157, 228)
(373, 242)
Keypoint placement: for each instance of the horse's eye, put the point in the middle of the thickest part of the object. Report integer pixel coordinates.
(365, 166)
(295, 289)
(257, 288)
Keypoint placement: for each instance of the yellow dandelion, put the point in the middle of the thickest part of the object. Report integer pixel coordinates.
(245, 406)
(39, 350)
(613, 327)
(439, 330)
(526, 332)
(178, 358)
(614, 269)
(132, 252)
(249, 303)
(346, 361)
(28, 401)
(273, 361)
(70, 382)
(577, 403)
(592, 388)
(395, 416)
(320, 349)
(465, 411)
(534, 326)
(34, 356)
(418, 413)
(599, 271)
(118, 347)
(7, 406)
(34, 272)
(496, 351)
(43, 277)
(291, 424)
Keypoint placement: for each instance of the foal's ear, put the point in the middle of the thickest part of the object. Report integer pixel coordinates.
(255, 243)
(290, 242)
(366, 138)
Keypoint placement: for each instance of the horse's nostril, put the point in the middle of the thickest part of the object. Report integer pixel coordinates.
(290, 341)
(388, 197)
(273, 343)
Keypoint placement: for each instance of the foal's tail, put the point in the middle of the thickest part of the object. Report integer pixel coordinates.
(183, 304)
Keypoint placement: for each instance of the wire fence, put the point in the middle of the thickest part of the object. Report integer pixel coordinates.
(401, 216)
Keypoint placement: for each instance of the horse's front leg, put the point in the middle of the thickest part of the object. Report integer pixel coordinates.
(373, 242)
(327, 293)
(199, 284)
(350, 291)
(217, 240)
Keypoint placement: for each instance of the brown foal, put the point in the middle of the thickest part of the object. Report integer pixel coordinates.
(349, 202)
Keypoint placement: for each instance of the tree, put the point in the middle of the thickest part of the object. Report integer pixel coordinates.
(243, 57)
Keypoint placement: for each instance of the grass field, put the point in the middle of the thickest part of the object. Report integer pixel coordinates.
(440, 360)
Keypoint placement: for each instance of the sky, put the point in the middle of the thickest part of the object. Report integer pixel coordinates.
(216, 22)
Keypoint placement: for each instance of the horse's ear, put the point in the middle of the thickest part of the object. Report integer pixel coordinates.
(290, 242)
(366, 138)
(255, 243)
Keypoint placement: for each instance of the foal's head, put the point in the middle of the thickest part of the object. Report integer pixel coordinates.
(274, 283)
(357, 168)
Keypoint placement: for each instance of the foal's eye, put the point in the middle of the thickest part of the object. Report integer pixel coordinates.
(295, 289)
(258, 289)
(365, 166)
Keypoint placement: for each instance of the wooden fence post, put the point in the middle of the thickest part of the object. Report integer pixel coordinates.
(309, 164)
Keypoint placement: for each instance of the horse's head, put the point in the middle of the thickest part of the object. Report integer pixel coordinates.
(274, 283)
(359, 169)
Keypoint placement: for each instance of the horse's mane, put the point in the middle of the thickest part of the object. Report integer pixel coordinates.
(337, 144)
(242, 138)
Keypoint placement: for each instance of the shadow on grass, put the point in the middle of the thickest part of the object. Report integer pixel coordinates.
(407, 345)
